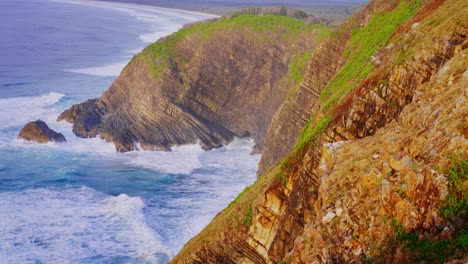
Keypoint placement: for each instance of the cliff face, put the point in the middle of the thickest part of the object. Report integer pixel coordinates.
(296, 111)
(379, 173)
(208, 82)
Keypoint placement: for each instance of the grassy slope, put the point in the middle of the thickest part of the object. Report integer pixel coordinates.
(363, 44)
(239, 212)
(159, 54)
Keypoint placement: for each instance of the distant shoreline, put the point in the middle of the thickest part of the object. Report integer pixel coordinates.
(144, 6)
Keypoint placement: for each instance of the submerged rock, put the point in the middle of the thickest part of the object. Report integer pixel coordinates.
(39, 132)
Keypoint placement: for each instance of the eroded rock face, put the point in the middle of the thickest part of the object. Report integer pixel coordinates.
(39, 132)
(296, 110)
(294, 113)
(373, 165)
(213, 89)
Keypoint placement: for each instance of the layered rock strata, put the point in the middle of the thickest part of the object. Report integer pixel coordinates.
(297, 109)
(207, 83)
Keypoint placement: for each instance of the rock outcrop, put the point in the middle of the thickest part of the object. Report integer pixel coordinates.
(208, 83)
(39, 132)
(379, 172)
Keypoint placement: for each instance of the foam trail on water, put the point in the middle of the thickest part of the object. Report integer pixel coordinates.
(126, 7)
(16, 112)
(103, 71)
(186, 158)
(19, 110)
(161, 22)
(71, 225)
(181, 160)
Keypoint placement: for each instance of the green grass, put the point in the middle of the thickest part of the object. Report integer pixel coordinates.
(456, 203)
(440, 250)
(428, 251)
(299, 63)
(283, 178)
(297, 69)
(239, 196)
(362, 45)
(323, 32)
(310, 133)
(247, 221)
(264, 28)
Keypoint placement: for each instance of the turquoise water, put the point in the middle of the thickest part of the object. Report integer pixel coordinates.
(82, 202)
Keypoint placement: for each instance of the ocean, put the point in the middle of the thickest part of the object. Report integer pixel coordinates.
(83, 202)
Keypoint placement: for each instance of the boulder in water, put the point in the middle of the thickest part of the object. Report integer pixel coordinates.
(39, 132)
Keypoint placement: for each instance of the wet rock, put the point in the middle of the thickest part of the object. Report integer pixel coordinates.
(86, 117)
(39, 132)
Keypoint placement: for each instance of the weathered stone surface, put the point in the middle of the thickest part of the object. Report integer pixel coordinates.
(328, 217)
(396, 133)
(296, 110)
(229, 85)
(39, 132)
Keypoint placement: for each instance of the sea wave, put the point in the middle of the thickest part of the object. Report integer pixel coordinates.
(19, 110)
(71, 225)
(168, 162)
(161, 22)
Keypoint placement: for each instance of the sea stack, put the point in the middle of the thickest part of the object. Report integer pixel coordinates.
(38, 131)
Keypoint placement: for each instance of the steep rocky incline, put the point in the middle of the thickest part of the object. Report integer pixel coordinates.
(296, 110)
(379, 172)
(208, 82)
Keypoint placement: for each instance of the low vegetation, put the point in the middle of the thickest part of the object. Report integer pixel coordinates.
(417, 248)
(162, 53)
(456, 203)
(363, 44)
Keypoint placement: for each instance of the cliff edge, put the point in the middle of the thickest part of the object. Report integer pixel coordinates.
(208, 82)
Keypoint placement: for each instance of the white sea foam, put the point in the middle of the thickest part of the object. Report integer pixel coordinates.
(72, 225)
(182, 160)
(185, 159)
(245, 143)
(154, 36)
(16, 112)
(19, 110)
(161, 22)
(223, 174)
(136, 7)
(103, 71)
